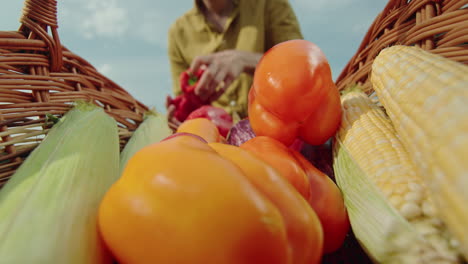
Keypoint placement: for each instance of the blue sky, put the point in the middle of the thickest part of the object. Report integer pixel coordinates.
(126, 40)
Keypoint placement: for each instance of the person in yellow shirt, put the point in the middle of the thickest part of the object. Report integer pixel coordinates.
(227, 38)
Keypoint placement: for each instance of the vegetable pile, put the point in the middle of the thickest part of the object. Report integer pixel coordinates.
(287, 185)
(188, 101)
(188, 105)
(240, 133)
(218, 116)
(285, 209)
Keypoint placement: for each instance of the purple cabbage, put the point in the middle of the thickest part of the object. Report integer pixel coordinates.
(240, 133)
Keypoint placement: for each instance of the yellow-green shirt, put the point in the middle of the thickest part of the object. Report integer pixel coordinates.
(253, 25)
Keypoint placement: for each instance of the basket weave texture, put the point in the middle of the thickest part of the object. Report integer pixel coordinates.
(39, 77)
(439, 26)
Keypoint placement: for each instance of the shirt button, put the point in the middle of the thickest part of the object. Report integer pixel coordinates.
(233, 103)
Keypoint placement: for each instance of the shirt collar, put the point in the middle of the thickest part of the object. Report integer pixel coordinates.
(199, 14)
(198, 5)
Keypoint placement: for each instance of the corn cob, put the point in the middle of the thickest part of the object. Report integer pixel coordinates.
(153, 129)
(426, 97)
(48, 209)
(404, 211)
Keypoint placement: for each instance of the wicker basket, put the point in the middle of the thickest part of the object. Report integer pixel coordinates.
(440, 26)
(39, 76)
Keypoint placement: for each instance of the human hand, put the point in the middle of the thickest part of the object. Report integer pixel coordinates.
(171, 108)
(222, 68)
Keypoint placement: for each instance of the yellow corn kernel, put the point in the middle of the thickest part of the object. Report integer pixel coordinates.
(426, 97)
(372, 142)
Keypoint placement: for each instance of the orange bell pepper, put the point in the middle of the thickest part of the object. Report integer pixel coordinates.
(293, 95)
(279, 157)
(328, 203)
(322, 193)
(184, 201)
(202, 127)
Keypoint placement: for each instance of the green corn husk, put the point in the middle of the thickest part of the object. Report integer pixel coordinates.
(48, 209)
(153, 129)
(384, 234)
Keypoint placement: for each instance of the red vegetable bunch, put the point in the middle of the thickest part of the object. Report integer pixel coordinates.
(188, 101)
(217, 115)
(188, 105)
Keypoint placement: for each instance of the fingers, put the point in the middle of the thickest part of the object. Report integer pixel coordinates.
(228, 80)
(176, 122)
(219, 84)
(168, 101)
(220, 77)
(202, 87)
(198, 62)
(222, 86)
(207, 84)
(170, 116)
(221, 68)
(218, 92)
(170, 111)
(217, 79)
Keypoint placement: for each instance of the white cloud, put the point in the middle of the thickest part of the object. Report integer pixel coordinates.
(106, 18)
(105, 69)
(103, 18)
(144, 20)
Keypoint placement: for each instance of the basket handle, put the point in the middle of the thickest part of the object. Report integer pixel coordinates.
(39, 16)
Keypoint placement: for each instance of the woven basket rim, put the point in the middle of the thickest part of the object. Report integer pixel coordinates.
(439, 26)
(39, 76)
